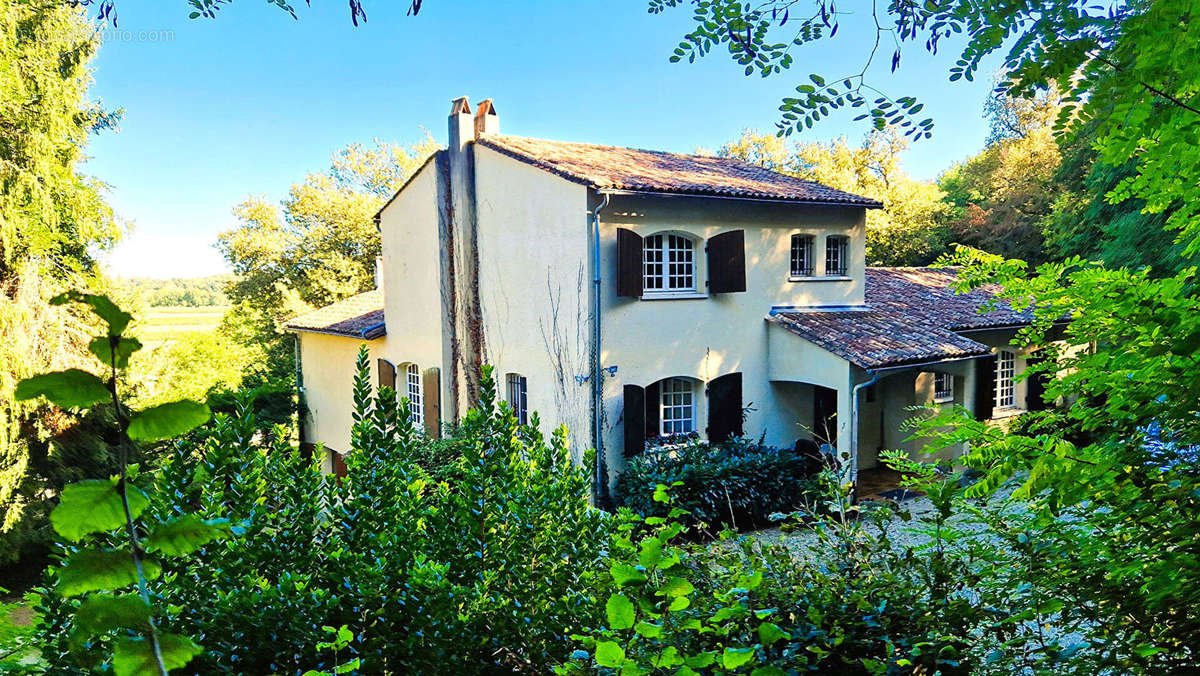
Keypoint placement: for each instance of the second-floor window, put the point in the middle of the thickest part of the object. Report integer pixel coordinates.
(802, 255)
(837, 248)
(518, 397)
(1006, 369)
(668, 264)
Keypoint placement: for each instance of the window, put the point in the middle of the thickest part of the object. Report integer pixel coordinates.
(668, 264)
(518, 397)
(943, 387)
(802, 255)
(412, 378)
(1006, 368)
(677, 413)
(836, 254)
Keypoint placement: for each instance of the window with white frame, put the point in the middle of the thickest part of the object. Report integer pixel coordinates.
(943, 387)
(412, 390)
(668, 264)
(1006, 369)
(677, 407)
(518, 397)
(837, 249)
(802, 255)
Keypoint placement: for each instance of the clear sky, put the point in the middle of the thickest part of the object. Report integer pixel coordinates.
(248, 103)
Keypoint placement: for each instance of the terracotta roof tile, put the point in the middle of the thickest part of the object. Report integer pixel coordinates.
(359, 316)
(911, 316)
(615, 168)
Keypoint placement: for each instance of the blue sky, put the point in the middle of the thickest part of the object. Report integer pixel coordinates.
(248, 103)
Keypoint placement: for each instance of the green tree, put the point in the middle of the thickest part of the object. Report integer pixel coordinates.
(319, 248)
(907, 231)
(52, 219)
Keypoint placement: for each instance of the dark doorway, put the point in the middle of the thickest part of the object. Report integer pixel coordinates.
(825, 415)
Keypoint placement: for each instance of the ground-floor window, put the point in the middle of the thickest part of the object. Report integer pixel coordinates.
(412, 377)
(943, 387)
(677, 412)
(1006, 369)
(518, 397)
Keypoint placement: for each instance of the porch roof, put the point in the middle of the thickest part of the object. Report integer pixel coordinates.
(912, 315)
(359, 316)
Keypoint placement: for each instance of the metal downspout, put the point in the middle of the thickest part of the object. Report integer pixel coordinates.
(855, 391)
(601, 487)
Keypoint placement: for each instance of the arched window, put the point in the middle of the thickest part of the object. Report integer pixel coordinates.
(668, 264)
(412, 391)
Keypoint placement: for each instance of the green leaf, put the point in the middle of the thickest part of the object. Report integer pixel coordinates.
(648, 630)
(620, 612)
(626, 575)
(185, 534)
(116, 318)
(676, 586)
(101, 346)
(651, 552)
(135, 657)
(769, 670)
(102, 612)
(769, 633)
(73, 388)
(609, 654)
(167, 420)
(701, 660)
(91, 570)
(733, 658)
(93, 506)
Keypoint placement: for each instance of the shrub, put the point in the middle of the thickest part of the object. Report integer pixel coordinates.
(490, 574)
(738, 484)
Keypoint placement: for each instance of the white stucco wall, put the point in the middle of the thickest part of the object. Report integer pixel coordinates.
(534, 286)
(704, 338)
(327, 376)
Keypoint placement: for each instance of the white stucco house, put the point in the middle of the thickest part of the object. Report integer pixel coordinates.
(632, 294)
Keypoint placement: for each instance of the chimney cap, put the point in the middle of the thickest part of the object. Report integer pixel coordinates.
(486, 107)
(460, 106)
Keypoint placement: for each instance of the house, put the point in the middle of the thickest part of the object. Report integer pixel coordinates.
(632, 294)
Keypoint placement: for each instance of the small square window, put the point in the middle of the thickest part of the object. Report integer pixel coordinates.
(943, 387)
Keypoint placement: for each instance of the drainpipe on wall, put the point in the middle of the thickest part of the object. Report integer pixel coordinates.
(601, 487)
(855, 391)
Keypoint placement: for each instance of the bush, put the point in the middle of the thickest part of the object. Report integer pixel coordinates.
(488, 575)
(738, 484)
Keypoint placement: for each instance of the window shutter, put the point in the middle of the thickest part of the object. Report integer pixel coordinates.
(727, 262)
(635, 420)
(653, 402)
(985, 387)
(1035, 386)
(725, 408)
(431, 389)
(339, 465)
(387, 374)
(629, 263)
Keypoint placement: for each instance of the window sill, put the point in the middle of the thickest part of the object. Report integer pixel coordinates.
(822, 278)
(944, 400)
(673, 295)
(1008, 412)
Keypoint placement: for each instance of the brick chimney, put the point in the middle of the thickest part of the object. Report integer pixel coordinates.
(486, 120)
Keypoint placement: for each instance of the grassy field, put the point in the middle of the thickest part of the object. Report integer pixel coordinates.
(162, 324)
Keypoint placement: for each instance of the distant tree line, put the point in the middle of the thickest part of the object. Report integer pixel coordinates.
(195, 292)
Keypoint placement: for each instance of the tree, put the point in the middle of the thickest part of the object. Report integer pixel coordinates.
(320, 247)
(107, 9)
(1000, 196)
(907, 231)
(52, 220)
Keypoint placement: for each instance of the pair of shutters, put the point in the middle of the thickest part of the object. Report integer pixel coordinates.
(726, 263)
(641, 412)
(431, 389)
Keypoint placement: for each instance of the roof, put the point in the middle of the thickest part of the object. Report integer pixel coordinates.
(912, 315)
(359, 316)
(614, 168)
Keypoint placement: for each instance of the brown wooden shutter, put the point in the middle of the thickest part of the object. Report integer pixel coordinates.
(635, 420)
(339, 465)
(727, 262)
(985, 387)
(431, 388)
(1035, 386)
(629, 263)
(653, 400)
(387, 374)
(725, 408)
